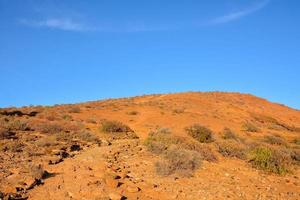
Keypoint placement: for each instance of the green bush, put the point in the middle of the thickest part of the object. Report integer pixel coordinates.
(200, 133)
(271, 160)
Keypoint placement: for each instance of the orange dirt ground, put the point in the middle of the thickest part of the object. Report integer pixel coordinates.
(123, 168)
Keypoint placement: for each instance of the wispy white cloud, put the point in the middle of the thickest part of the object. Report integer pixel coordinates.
(57, 23)
(239, 14)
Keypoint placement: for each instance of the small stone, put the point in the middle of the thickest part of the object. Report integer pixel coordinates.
(115, 196)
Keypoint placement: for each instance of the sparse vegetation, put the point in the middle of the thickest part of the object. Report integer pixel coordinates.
(228, 134)
(16, 125)
(296, 141)
(180, 161)
(249, 127)
(49, 127)
(14, 147)
(114, 127)
(91, 121)
(178, 111)
(232, 148)
(200, 133)
(74, 109)
(274, 140)
(159, 141)
(270, 159)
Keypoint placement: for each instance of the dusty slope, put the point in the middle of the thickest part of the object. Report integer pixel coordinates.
(125, 169)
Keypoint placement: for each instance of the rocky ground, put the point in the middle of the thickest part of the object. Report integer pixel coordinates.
(85, 163)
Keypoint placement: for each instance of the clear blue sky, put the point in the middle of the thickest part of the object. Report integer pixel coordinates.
(65, 51)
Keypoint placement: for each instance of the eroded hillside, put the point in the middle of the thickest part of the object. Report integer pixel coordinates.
(173, 146)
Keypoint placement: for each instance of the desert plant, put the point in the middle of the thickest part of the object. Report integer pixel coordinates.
(159, 141)
(87, 136)
(270, 159)
(160, 130)
(46, 141)
(181, 161)
(114, 127)
(231, 148)
(296, 141)
(74, 109)
(228, 134)
(275, 140)
(200, 133)
(48, 127)
(178, 111)
(91, 121)
(14, 147)
(295, 155)
(249, 127)
(17, 125)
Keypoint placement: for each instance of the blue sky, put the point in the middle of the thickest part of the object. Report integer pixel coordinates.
(65, 51)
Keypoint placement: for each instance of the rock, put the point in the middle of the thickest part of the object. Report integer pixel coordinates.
(115, 196)
(133, 189)
(1, 195)
(75, 147)
(55, 160)
(110, 182)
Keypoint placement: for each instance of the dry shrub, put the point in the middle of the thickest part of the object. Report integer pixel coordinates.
(275, 140)
(160, 140)
(87, 136)
(180, 161)
(67, 117)
(48, 127)
(15, 125)
(295, 155)
(91, 121)
(178, 111)
(74, 109)
(231, 148)
(6, 134)
(47, 141)
(56, 126)
(296, 141)
(200, 133)
(80, 136)
(228, 134)
(114, 127)
(271, 159)
(249, 127)
(13, 146)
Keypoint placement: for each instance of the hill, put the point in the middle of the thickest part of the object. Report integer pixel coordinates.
(211, 145)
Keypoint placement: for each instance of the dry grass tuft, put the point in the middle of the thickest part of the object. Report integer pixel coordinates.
(275, 140)
(249, 127)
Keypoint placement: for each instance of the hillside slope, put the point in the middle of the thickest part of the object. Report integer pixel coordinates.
(151, 147)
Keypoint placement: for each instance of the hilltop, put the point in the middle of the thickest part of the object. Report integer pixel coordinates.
(195, 145)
